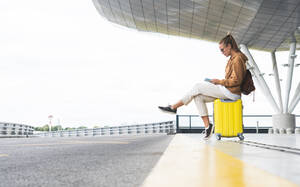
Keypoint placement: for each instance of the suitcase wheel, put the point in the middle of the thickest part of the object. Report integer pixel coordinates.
(241, 137)
(218, 136)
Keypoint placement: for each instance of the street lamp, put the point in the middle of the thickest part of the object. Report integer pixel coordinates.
(50, 117)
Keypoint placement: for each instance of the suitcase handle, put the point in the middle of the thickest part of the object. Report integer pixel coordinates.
(228, 100)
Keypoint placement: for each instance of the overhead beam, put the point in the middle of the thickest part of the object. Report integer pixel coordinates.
(295, 99)
(276, 78)
(260, 80)
(291, 59)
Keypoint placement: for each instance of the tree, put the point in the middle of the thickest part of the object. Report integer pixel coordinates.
(45, 128)
(56, 128)
(38, 128)
(69, 128)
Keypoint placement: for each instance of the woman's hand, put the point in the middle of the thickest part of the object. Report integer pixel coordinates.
(214, 81)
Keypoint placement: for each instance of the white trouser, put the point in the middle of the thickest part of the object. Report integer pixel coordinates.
(203, 93)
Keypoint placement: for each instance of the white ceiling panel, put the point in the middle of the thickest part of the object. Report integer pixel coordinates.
(261, 24)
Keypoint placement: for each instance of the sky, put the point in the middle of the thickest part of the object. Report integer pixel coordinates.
(62, 58)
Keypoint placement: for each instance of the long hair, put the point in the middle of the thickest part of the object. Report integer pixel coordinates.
(228, 39)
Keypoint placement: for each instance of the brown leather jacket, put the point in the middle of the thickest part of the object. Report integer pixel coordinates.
(234, 73)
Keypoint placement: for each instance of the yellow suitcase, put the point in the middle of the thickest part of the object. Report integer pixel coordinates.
(228, 118)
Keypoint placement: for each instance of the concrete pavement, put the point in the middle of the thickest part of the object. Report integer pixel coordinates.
(94, 161)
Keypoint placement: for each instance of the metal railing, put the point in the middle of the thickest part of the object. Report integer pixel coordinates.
(252, 123)
(151, 128)
(15, 130)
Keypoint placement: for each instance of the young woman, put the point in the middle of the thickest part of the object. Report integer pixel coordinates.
(208, 91)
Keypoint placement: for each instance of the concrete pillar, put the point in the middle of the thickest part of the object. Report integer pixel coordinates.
(284, 121)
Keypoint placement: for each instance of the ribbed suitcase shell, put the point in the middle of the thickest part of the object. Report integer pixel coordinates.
(228, 118)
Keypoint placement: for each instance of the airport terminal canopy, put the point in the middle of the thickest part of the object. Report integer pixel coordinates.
(260, 24)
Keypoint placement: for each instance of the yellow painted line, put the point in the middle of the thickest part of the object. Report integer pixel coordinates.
(3, 155)
(190, 162)
(73, 143)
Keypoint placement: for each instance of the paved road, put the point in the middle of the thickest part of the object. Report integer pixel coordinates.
(83, 161)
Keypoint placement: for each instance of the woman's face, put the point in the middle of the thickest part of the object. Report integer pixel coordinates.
(226, 50)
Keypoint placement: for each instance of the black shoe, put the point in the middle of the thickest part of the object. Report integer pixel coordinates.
(208, 132)
(168, 109)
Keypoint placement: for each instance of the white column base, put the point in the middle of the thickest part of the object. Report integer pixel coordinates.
(284, 121)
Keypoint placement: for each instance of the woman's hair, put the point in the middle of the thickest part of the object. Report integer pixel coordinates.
(228, 39)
